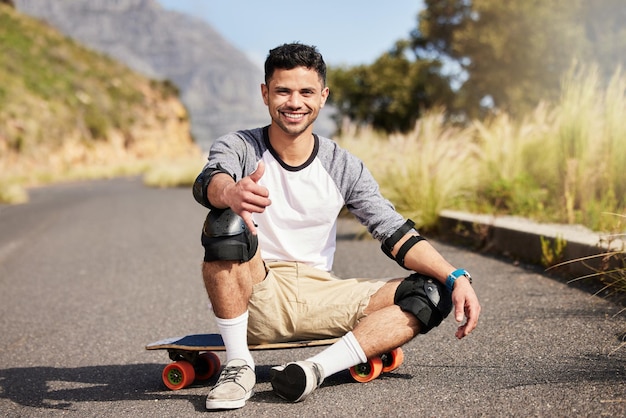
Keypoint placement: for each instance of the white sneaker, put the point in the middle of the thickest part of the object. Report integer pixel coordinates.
(295, 381)
(233, 388)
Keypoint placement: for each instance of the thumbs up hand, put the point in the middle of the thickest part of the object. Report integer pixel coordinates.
(247, 197)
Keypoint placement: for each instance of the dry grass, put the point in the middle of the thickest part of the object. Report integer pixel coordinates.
(74, 161)
(421, 172)
(563, 163)
(173, 173)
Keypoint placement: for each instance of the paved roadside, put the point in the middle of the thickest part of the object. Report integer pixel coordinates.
(91, 272)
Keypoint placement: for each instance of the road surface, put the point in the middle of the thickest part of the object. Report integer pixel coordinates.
(91, 272)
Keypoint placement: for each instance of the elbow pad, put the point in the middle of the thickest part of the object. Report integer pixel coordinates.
(202, 182)
(390, 242)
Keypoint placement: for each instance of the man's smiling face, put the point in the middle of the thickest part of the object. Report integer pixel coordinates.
(294, 98)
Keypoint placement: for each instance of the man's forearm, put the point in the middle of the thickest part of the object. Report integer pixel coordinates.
(425, 259)
(215, 190)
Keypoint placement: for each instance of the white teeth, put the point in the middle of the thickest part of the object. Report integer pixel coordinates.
(294, 115)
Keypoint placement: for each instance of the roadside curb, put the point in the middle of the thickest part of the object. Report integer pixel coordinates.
(527, 241)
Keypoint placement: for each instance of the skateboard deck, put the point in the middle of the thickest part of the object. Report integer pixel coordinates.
(214, 342)
(193, 358)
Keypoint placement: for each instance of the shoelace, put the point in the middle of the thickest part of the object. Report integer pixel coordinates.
(230, 374)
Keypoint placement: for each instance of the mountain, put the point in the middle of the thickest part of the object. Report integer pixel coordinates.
(218, 84)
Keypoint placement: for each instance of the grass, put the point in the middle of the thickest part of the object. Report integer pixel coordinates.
(173, 173)
(13, 193)
(69, 113)
(612, 265)
(179, 170)
(422, 172)
(563, 163)
(69, 87)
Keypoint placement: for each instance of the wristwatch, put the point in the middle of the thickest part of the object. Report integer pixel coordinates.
(455, 275)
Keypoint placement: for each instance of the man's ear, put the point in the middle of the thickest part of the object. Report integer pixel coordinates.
(325, 93)
(265, 94)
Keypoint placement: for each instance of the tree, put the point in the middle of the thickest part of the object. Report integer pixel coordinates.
(606, 33)
(390, 94)
(474, 56)
(513, 54)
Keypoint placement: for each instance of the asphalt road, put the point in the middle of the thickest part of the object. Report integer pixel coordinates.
(92, 272)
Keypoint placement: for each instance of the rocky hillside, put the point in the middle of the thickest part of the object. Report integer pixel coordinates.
(218, 84)
(63, 106)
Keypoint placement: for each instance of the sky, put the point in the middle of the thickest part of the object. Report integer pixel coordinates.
(346, 32)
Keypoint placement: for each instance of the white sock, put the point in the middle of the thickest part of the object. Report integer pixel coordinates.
(342, 355)
(235, 335)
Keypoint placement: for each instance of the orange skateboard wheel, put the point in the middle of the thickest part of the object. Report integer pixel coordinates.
(207, 365)
(392, 360)
(178, 375)
(366, 372)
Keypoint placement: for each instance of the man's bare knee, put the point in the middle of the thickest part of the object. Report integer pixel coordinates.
(219, 267)
(252, 271)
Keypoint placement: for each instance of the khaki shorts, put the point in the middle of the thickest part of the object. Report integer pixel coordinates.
(299, 302)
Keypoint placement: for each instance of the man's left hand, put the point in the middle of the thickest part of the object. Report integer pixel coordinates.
(466, 306)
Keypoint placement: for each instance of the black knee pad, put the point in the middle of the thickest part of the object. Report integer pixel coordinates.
(225, 236)
(426, 298)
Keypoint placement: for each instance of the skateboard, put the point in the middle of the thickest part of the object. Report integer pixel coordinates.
(194, 359)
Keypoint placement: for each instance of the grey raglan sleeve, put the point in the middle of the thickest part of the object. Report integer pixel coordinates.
(362, 195)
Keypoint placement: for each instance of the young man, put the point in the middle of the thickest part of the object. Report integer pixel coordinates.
(275, 194)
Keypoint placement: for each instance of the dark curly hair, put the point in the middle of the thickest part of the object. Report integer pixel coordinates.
(289, 56)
